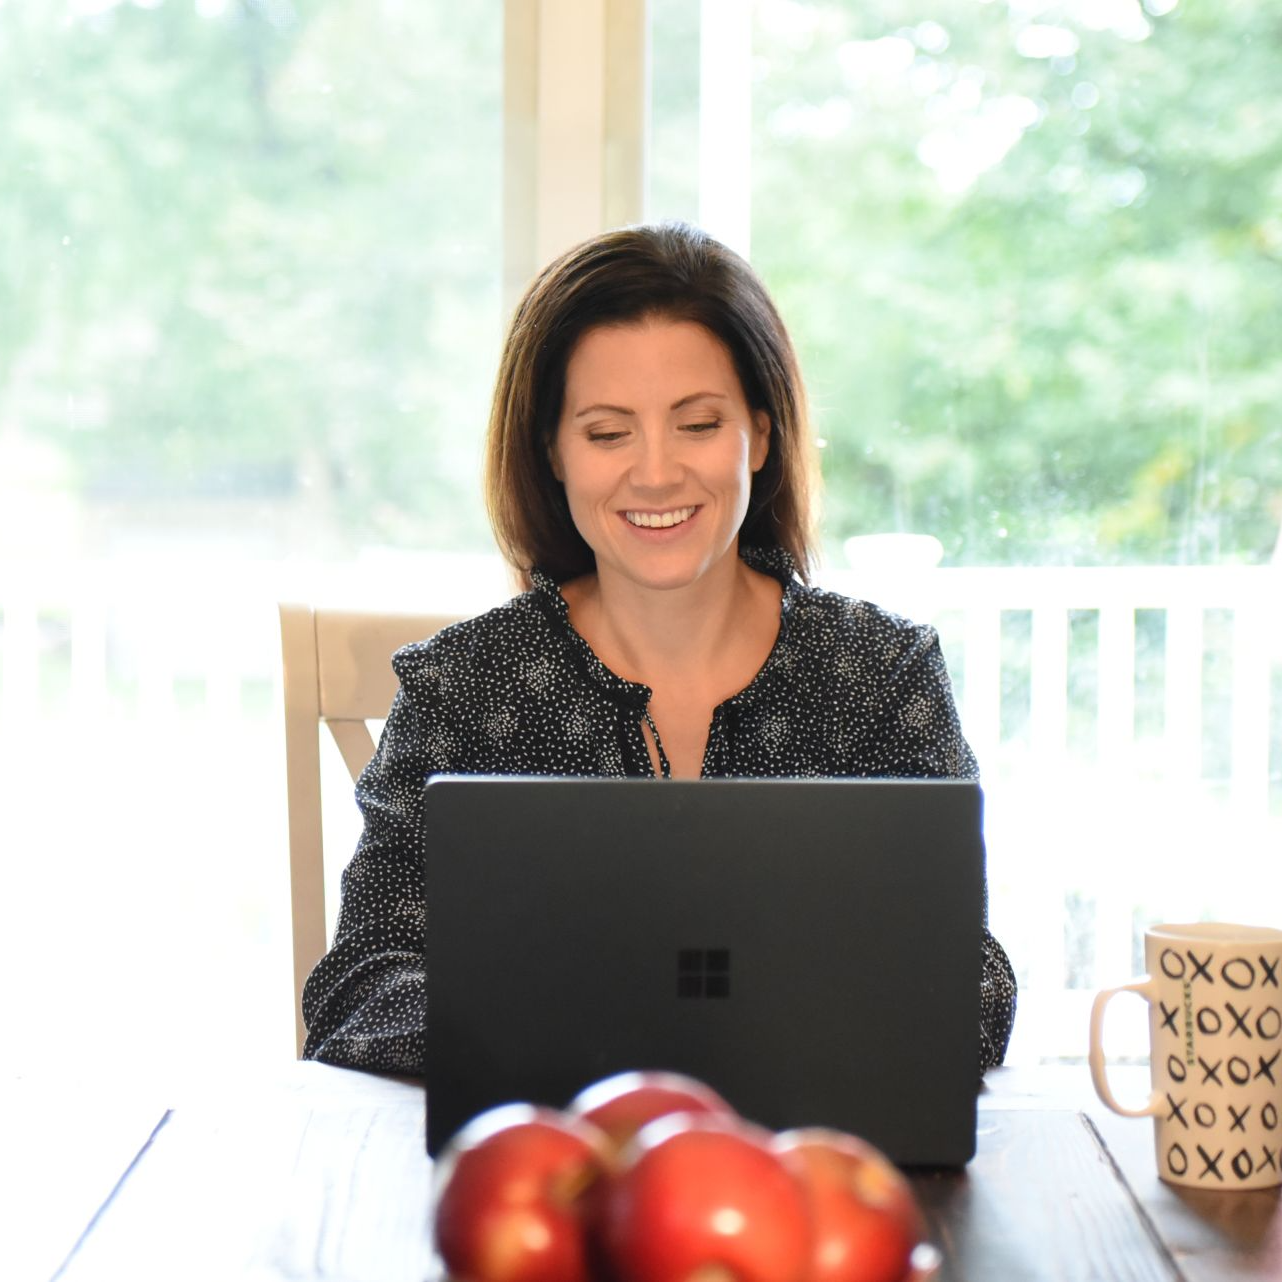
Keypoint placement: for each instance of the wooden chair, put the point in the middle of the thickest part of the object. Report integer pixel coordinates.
(336, 671)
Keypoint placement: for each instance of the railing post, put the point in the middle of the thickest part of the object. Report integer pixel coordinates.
(1184, 690)
(88, 652)
(982, 692)
(1049, 682)
(19, 657)
(1116, 741)
(1252, 682)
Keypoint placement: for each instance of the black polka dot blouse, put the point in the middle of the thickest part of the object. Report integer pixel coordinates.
(848, 690)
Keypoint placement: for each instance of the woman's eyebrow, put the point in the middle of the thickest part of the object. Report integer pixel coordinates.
(606, 409)
(698, 396)
(602, 408)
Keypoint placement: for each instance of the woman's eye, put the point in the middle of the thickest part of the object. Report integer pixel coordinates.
(699, 428)
(605, 437)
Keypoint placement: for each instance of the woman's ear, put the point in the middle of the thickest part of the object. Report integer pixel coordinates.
(554, 461)
(760, 439)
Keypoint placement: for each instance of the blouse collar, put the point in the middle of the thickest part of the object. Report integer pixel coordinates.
(774, 561)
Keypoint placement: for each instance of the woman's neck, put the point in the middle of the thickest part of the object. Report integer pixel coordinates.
(677, 636)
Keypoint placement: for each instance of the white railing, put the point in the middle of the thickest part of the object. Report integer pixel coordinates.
(1252, 595)
(159, 621)
(1089, 843)
(1086, 842)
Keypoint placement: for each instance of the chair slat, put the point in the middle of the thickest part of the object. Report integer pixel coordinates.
(337, 668)
(355, 743)
(353, 652)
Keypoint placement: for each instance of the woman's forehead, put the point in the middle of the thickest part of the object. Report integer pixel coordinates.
(654, 355)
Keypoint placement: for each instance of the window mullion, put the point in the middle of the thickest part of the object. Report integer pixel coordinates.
(725, 121)
(574, 126)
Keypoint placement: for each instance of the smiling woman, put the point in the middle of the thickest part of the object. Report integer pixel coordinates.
(648, 478)
(743, 354)
(658, 480)
(657, 477)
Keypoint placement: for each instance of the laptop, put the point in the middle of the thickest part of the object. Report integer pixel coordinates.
(809, 948)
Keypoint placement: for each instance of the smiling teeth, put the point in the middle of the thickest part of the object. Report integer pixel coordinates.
(659, 520)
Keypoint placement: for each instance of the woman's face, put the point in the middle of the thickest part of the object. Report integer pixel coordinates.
(656, 447)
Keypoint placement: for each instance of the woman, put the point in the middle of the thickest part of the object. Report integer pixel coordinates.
(649, 479)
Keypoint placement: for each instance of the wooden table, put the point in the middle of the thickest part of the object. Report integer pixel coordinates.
(317, 1173)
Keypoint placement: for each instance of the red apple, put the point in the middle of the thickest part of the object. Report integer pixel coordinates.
(703, 1197)
(621, 1105)
(866, 1220)
(509, 1192)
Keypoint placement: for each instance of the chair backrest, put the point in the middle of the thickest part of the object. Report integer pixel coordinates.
(336, 672)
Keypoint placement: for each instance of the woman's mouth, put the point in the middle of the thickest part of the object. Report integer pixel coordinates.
(660, 520)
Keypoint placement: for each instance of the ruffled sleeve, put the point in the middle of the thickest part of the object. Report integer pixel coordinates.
(365, 1003)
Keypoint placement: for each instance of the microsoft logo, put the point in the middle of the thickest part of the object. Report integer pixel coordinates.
(703, 972)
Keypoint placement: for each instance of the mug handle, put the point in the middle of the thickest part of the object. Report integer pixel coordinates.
(1145, 988)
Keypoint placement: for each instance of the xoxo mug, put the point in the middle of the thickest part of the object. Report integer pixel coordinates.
(1215, 1034)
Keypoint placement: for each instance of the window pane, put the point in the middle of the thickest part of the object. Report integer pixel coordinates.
(254, 290)
(672, 168)
(249, 257)
(1030, 256)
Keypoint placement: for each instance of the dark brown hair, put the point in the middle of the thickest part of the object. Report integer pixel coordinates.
(669, 270)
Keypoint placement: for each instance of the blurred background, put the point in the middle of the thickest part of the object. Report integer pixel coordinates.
(256, 257)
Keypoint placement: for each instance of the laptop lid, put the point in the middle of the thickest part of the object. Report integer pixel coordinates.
(810, 949)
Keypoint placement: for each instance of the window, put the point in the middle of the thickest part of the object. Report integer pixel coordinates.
(256, 258)
(1028, 252)
(250, 258)
(1030, 255)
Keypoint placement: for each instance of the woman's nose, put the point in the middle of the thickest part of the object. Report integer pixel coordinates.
(656, 464)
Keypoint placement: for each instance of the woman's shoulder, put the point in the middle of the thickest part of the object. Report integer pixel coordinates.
(503, 631)
(823, 615)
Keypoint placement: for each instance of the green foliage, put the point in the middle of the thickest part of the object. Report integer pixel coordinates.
(1073, 356)
(256, 253)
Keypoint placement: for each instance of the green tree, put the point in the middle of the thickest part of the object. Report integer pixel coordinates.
(1037, 296)
(254, 253)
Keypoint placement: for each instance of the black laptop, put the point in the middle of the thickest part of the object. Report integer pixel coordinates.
(811, 949)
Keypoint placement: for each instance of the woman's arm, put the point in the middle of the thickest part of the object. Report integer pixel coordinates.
(366, 1001)
(997, 993)
(910, 725)
(916, 730)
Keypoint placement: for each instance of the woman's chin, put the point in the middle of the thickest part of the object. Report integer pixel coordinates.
(664, 569)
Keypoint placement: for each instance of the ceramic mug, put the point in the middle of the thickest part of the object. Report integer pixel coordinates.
(1215, 1033)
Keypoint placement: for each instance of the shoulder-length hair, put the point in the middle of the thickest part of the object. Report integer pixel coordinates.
(669, 270)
